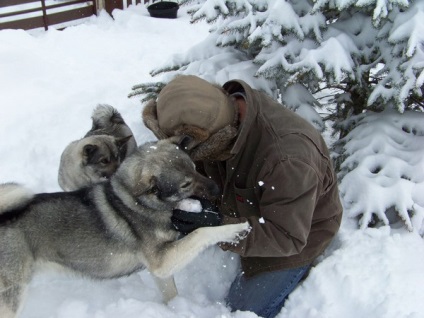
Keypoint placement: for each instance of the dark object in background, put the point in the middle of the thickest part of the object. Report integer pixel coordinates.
(163, 9)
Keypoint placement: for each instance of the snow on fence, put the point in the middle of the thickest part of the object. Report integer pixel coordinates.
(110, 5)
(33, 14)
(127, 3)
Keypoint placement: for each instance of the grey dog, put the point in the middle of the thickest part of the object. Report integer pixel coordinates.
(96, 157)
(110, 229)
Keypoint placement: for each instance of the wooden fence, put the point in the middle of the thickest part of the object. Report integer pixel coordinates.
(33, 14)
(121, 4)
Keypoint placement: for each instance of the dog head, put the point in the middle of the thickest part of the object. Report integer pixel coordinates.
(90, 160)
(160, 174)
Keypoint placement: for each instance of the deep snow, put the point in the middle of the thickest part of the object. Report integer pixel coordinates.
(49, 84)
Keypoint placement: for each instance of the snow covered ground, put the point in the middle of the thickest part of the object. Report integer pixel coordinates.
(49, 84)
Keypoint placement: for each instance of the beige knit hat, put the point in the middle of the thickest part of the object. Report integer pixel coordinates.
(189, 100)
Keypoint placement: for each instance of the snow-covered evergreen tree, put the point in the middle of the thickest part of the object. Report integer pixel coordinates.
(349, 56)
(368, 54)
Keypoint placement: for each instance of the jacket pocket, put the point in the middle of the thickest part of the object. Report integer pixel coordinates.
(247, 202)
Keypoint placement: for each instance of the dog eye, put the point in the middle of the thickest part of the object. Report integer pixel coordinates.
(186, 185)
(105, 161)
(153, 190)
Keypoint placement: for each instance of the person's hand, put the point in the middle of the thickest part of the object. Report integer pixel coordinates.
(186, 222)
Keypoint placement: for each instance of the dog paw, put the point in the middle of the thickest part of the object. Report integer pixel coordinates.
(236, 232)
(243, 232)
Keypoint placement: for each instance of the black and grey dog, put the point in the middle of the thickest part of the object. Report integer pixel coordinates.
(96, 157)
(109, 229)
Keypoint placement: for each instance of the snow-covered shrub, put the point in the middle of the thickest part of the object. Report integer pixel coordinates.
(382, 169)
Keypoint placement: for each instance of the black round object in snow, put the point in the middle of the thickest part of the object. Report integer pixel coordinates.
(163, 9)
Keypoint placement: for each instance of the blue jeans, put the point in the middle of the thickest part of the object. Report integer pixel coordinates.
(265, 293)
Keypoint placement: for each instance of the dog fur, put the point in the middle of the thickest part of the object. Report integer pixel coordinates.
(109, 229)
(96, 157)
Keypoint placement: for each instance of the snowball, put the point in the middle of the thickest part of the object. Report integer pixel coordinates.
(189, 205)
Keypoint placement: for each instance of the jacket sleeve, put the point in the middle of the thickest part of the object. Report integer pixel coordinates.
(286, 206)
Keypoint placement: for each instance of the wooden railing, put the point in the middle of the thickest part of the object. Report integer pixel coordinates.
(32, 14)
(121, 4)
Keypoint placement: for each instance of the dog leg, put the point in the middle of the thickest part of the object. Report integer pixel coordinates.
(11, 294)
(167, 287)
(16, 267)
(177, 254)
(6, 312)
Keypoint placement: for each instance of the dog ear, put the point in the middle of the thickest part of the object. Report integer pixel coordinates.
(152, 187)
(197, 134)
(89, 150)
(147, 186)
(120, 142)
(139, 179)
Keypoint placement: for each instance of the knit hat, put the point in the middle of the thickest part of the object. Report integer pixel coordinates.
(192, 107)
(191, 101)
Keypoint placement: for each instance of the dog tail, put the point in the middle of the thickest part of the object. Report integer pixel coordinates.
(13, 196)
(105, 115)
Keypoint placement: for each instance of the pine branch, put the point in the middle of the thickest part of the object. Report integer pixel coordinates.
(150, 90)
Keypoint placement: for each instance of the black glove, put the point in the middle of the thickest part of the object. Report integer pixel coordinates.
(186, 222)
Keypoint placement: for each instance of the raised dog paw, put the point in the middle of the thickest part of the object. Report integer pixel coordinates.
(233, 233)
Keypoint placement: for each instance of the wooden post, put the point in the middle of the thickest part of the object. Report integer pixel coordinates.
(100, 5)
(43, 7)
(110, 5)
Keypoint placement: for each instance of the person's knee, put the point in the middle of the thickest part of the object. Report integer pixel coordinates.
(274, 308)
(264, 294)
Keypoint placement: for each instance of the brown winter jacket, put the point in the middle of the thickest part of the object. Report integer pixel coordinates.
(281, 180)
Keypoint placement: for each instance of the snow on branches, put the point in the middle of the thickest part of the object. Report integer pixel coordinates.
(372, 47)
(382, 175)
